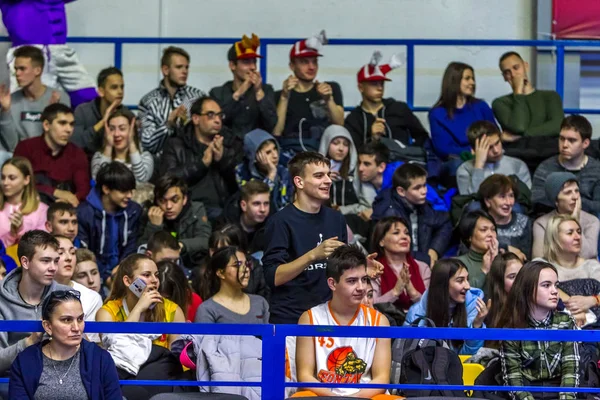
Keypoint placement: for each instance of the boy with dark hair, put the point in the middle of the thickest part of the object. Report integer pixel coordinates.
(61, 169)
(575, 137)
(166, 107)
(162, 246)
(300, 237)
(90, 117)
(61, 220)
(261, 162)
(21, 111)
(305, 106)
(247, 101)
(204, 155)
(358, 360)
(250, 213)
(486, 144)
(24, 290)
(184, 220)
(108, 218)
(431, 230)
(376, 117)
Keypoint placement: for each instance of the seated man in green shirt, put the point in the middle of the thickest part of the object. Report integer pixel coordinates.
(530, 118)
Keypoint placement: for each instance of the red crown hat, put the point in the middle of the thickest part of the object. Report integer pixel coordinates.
(309, 47)
(246, 48)
(373, 72)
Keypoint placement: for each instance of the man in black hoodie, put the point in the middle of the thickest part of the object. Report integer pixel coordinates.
(184, 219)
(377, 117)
(204, 154)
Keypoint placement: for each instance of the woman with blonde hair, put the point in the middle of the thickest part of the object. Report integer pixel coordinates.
(20, 206)
(579, 278)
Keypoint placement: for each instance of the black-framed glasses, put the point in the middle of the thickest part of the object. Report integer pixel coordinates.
(212, 115)
(248, 263)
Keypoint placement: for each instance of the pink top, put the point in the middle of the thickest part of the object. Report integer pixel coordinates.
(389, 297)
(34, 220)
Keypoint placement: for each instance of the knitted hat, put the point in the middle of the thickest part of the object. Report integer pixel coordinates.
(244, 49)
(309, 47)
(554, 184)
(373, 72)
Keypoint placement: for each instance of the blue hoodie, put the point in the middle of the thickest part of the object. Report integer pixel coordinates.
(419, 309)
(282, 188)
(110, 237)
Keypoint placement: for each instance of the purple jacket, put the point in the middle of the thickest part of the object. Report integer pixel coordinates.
(35, 21)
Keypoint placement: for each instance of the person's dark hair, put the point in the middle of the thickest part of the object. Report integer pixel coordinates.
(35, 54)
(55, 298)
(299, 162)
(495, 286)
(451, 87)
(161, 240)
(494, 185)
(228, 235)
(439, 297)
(522, 296)
(170, 51)
(51, 112)
(105, 73)
(468, 222)
(115, 176)
(381, 229)
(60, 208)
(377, 149)
(33, 239)
(196, 108)
(219, 260)
(174, 284)
(579, 124)
(253, 187)
(344, 258)
(166, 182)
(479, 129)
(508, 54)
(406, 173)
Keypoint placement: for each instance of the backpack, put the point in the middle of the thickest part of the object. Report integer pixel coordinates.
(425, 361)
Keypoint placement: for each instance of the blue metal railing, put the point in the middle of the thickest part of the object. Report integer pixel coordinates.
(559, 45)
(274, 339)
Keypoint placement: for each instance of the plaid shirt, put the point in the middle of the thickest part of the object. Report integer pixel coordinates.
(537, 361)
(155, 108)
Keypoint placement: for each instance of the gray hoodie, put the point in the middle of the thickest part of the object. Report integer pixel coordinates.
(13, 307)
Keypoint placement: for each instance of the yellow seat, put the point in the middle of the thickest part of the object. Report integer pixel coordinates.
(11, 251)
(464, 358)
(470, 373)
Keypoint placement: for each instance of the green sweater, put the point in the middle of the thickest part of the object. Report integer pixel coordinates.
(537, 114)
(473, 261)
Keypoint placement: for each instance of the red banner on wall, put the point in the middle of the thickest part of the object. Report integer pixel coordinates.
(576, 19)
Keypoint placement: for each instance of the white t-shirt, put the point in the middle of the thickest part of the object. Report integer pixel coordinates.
(91, 301)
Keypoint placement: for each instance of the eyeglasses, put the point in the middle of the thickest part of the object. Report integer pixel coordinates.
(211, 115)
(63, 294)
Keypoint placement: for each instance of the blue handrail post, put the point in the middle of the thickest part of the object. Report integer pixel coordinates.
(560, 70)
(263, 60)
(410, 75)
(273, 376)
(119, 55)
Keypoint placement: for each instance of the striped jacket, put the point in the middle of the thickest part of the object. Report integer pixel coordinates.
(155, 108)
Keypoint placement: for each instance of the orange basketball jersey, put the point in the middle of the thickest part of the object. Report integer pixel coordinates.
(344, 360)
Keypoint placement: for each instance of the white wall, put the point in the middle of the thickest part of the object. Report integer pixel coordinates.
(450, 19)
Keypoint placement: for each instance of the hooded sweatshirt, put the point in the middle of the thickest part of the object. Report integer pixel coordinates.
(281, 188)
(400, 124)
(13, 307)
(343, 191)
(110, 236)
